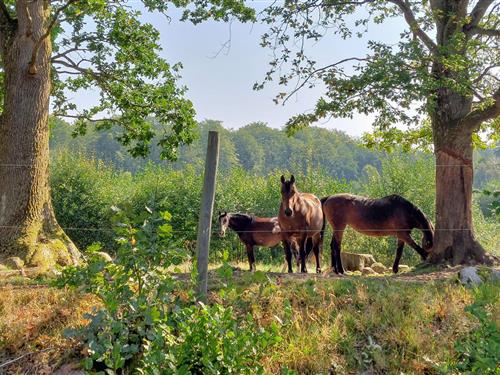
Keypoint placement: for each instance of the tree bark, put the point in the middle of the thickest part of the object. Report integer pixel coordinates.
(28, 227)
(454, 240)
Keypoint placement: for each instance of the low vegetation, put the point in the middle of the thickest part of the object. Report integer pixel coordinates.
(319, 326)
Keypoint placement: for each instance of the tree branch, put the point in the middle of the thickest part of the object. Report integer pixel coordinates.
(32, 64)
(413, 23)
(476, 15)
(474, 119)
(481, 31)
(314, 72)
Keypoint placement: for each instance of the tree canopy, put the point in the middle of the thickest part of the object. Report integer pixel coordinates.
(394, 82)
(103, 46)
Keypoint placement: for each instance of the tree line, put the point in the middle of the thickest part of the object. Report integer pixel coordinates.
(259, 149)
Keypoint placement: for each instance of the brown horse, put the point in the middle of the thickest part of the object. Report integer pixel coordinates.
(301, 219)
(252, 231)
(389, 216)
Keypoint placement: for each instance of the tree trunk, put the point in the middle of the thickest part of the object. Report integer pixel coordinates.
(28, 227)
(454, 240)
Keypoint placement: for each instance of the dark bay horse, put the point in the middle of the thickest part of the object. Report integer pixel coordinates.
(389, 216)
(301, 219)
(252, 231)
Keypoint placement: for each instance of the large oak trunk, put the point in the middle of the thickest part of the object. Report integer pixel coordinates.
(28, 227)
(454, 237)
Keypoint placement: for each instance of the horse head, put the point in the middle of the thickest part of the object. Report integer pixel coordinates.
(223, 223)
(288, 191)
(428, 237)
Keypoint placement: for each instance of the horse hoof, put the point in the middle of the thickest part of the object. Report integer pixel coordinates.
(395, 270)
(318, 270)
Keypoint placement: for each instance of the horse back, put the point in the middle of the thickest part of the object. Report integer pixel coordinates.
(366, 214)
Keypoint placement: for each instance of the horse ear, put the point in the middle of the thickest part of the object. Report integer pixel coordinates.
(225, 212)
(292, 179)
(282, 179)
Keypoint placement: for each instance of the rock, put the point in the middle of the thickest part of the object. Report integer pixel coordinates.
(103, 256)
(468, 276)
(495, 275)
(368, 271)
(3, 267)
(14, 263)
(403, 268)
(378, 267)
(356, 262)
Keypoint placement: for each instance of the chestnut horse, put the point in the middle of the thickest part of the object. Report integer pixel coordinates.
(389, 216)
(301, 219)
(252, 231)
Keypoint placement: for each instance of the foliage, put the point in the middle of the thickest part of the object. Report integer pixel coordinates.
(255, 147)
(102, 46)
(478, 352)
(148, 320)
(495, 203)
(396, 82)
(84, 190)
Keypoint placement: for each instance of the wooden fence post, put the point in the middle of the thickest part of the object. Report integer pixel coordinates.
(205, 219)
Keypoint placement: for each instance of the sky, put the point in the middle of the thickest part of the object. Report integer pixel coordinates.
(220, 81)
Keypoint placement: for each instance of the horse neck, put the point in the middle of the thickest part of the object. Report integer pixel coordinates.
(238, 223)
(422, 223)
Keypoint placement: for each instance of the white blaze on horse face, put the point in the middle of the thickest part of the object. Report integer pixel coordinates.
(223, 224)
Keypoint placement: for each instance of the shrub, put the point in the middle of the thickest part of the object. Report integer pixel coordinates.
(478, 352)
(148, 320)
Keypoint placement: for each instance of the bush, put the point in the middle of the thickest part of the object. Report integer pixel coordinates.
(84, 190)
(478, 352)
(148, 320)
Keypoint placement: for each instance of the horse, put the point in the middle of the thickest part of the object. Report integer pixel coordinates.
(392, 215)
(252, 231)
(300, 218)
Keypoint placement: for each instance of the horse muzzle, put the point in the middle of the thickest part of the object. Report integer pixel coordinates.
(288, 212)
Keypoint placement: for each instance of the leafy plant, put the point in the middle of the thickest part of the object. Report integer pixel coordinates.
(478, 352)
(148, 320)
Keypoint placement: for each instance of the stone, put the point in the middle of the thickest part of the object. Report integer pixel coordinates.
(403, 268)
(368, 271)
(378, 267)
(14, 263)
(103, 256)
(468, 276)
(495, 275)
(356, 262)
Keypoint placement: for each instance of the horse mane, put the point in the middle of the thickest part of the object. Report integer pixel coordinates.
(244, 219)
(421, 219)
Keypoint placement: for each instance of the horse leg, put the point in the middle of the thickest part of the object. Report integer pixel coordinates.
(317, 254)
(336, 248)
(406, 237)
(251, 256)
(399, 253)
(333, 252)
(303, 244)
(288, 255)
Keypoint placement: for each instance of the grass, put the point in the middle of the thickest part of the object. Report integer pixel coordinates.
(32, 321)
(362, 325)
(371, 325)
